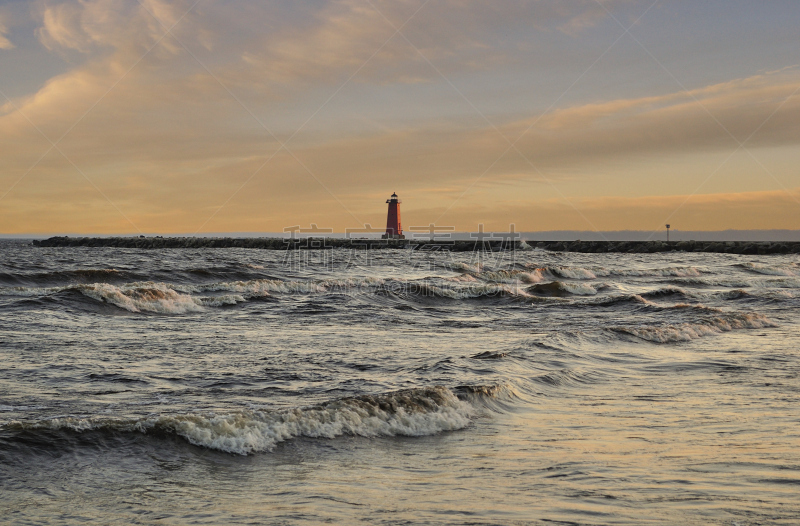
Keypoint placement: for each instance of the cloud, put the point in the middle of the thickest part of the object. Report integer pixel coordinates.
(761, 110)
(5, 43)
(167, 143)
(586, 137)
(268, 52)
(94, 25)
(180, 154)
(328, 42)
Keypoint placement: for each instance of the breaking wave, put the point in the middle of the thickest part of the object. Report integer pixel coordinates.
(572, 272)
(413, 412)
(138, 297)
(597, 272)
(468, 291)
(618, 300)
(561, 288)
(768, 270)
(512, 276)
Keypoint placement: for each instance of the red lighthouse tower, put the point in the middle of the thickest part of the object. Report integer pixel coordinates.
(393, 228)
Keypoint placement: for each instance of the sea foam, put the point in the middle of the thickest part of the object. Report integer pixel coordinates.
(413, 412)
(146, 296)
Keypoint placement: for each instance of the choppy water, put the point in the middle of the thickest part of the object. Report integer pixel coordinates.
(232, 386)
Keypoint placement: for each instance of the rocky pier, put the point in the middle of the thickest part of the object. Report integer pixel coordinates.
(264, 243)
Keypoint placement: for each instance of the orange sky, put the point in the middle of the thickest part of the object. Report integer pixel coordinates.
(184, 117)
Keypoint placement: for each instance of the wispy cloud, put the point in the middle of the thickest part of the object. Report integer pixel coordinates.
(5, 43)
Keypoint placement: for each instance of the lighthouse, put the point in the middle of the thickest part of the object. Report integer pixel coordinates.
(393, 228)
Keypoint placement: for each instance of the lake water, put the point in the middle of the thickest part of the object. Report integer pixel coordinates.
(235, 386)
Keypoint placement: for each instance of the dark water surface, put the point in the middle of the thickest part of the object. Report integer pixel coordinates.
(235, 386)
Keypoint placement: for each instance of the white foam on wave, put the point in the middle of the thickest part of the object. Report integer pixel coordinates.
(573, 272)
(562, 272)
(715, 282)
(462, 278)
(677, 272)
(525, 246)
(415, 412)
(512, 276)
(769, 270)
(595, 272)
(620, 298)
(564, 287)
(134, 297)
(143, 296)
(467, 291)
(29, 292)
(222, 301)
(783, 283)
(467, 267)
(580, 289)
(692, 331)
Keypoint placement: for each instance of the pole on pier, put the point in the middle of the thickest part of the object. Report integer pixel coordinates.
(667, 233)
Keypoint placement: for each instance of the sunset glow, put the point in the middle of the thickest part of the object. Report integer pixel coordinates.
(185, 117)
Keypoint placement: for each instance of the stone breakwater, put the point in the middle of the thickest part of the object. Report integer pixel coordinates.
(641, 247)
(276, 243)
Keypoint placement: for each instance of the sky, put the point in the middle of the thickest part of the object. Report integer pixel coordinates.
(192, 116)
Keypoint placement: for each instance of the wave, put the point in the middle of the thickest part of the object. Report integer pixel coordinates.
(677, 272)
(466, 267)
(262, 287)
(222, 301)
(598, 272)
(134, 297)
(511, 276)
(469, 291)
(568, 377)
(769, 270)
(782, 283)
(489, 355)
(530, 274)
(692, 331)
(179, 299)
(665, 292)
(138, 297)
(412, 412)
(572, 272)
(734, 294)
(714, 282)
(561, 288)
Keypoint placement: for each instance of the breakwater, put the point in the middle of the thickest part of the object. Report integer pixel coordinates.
(641, 247)
(277, 243)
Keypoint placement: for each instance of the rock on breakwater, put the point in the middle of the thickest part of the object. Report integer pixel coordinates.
(641, 247)
(276, 243)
